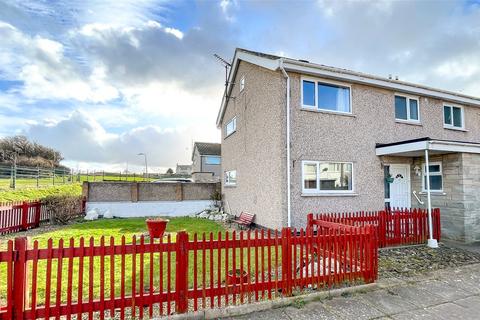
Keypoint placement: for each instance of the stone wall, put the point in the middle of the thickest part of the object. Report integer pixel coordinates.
(144, 191)
(459, 202)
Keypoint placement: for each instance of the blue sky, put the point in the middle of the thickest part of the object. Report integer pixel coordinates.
(104, 80)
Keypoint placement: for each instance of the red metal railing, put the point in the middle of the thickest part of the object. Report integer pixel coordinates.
(21, 216)
(107, 279)
(393, 227)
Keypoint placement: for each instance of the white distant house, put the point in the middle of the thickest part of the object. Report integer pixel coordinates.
(185, 169)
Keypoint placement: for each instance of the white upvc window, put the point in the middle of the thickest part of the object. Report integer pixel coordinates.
(436, 177)
(324, 95)
(242, 83)
(407, 108)
(231, 127)
(453, 117)
(327, 177)
(231, 178)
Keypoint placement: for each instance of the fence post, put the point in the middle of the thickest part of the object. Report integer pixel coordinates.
(181, 272)
(25, 215)
(38, 176)
(19, 277)
(310, 221)
(286, 261)
(38, 207)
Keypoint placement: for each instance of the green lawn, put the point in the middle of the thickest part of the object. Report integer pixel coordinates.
(117, 228)
(34, 194)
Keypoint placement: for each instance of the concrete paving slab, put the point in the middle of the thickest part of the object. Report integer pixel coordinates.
(465, 283)
(313, 310)
(352, 308)
(472, 304)
(414, 315)
(449, 311)
(387, 302)
(418, 296)
(444, 289)
(277, 314)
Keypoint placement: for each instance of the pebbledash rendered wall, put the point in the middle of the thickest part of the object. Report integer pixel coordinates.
(257, 150)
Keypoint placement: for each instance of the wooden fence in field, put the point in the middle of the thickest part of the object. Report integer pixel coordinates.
(21, 216)
(393, 227)
(101, 278)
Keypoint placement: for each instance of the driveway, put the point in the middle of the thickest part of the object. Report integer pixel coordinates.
(445, 294)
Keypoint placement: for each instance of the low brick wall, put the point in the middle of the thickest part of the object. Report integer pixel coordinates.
(145, 191)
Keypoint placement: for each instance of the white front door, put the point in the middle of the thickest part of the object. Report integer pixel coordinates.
(400, 187)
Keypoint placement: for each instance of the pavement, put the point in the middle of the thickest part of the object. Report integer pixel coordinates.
(444, 294)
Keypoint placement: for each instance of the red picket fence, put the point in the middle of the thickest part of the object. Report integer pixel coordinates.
(21, 216)
(394, 226)
(129, 280)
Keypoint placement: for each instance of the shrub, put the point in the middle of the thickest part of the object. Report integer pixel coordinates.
(63, 208)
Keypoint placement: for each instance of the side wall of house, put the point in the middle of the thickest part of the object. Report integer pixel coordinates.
(196, 161)
(256, 149)
(215, 168)
(324, 136)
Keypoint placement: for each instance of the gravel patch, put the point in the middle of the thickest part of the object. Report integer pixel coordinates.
(404, 262)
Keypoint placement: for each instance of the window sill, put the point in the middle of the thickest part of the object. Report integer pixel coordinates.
(230, 185)
(329, 194)
(455, 129)
(328, 112)
(412, 123)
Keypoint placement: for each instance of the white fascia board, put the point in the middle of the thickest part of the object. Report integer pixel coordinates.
(401, 148)
(317, 71)
(448, 146)
(248, 57)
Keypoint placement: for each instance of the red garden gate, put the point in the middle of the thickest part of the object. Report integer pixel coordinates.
(393, 227)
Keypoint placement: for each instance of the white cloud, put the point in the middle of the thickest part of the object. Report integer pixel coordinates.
(81, 138)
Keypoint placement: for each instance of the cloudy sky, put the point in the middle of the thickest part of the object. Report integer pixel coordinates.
(104, 80)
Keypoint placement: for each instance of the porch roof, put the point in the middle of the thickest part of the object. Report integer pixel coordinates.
(417, 147)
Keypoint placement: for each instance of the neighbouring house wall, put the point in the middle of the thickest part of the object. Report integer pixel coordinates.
(216, 169)
(459, 202)
(196, 161)
(450, 201)
(144, 191)
(327, 136)
(199, 165)
(257, 148)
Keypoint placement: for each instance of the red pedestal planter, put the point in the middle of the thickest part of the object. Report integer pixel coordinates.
(156, 227)
(235, 277)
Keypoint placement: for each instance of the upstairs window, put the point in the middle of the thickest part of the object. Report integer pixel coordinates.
(436, 178)
(326, 96)
(212, 160)
(231, 178)
(406, 108)
(231, 127)
(453, 117)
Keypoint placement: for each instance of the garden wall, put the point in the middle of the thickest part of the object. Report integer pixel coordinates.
(146, 191)
(144, 199)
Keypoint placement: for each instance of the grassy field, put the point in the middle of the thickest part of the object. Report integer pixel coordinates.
(118, 228)
(34, 194)
(31, 183)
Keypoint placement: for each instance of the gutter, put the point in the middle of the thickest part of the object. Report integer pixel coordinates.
(287, 110)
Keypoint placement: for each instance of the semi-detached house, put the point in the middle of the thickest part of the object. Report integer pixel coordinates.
(300, 137)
